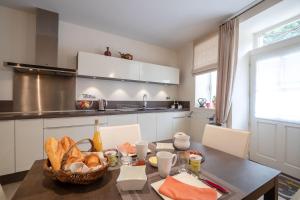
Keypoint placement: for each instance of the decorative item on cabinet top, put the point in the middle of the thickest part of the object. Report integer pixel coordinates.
(91, 65)
(107, 52)
(126, 56)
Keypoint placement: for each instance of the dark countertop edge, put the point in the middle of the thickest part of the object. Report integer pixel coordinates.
(81, 114)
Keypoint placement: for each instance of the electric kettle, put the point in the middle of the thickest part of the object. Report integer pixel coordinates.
(102, 104)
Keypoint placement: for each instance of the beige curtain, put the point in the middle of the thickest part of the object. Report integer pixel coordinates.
(228, 48)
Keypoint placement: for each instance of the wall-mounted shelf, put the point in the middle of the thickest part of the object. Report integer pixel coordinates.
(106, 67)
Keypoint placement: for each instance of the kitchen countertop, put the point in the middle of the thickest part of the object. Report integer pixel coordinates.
(79, 113)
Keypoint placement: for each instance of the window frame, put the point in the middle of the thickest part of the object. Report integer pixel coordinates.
(260, 33)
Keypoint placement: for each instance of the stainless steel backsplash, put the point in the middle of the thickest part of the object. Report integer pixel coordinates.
(41, 92)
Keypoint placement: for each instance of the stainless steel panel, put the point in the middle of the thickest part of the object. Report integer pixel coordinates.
(41, 92)
(46, 38)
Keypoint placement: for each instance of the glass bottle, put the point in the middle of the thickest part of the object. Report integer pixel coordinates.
(97, 137)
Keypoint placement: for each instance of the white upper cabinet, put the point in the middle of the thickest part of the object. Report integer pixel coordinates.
(159, 74)
(96, 65)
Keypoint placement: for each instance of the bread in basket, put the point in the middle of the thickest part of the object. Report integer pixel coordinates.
(63, 153)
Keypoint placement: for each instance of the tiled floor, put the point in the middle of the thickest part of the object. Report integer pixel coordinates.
(10, 189)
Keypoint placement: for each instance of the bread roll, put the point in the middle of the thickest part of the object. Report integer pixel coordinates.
(92, 160)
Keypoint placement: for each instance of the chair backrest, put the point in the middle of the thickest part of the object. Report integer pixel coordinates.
(115, 135)
(235, 142)
(2, 195)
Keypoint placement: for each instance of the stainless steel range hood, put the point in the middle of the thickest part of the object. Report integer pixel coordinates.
(46, 46)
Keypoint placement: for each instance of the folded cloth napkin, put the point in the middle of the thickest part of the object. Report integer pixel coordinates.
(177, 190)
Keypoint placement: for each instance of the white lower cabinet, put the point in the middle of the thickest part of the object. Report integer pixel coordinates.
(147, 123)
(164, 126)
(181, 123)
(28, 142)
(170, 123)
(7, 150)
(118, 120)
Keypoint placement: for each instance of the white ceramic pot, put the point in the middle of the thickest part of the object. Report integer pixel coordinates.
(181, 141)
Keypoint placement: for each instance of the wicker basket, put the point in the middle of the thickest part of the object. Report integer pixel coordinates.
(76, 177)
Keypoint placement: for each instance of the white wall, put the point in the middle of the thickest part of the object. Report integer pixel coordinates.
(17, 43)
(186, 92)
(17, 39)
(240, 97)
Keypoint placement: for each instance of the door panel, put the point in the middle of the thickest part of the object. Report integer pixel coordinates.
(292, 145)
(266, 139)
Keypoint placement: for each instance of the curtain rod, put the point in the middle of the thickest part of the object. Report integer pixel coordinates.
(244, 10)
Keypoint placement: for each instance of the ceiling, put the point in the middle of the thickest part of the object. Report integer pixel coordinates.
(167, 23)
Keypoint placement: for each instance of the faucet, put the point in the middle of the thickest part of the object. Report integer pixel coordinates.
(145, 100)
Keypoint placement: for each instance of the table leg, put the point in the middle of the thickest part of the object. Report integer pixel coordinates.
(273, 193)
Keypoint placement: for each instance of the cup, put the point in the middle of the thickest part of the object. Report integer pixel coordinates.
(165, 161)
(141, 150)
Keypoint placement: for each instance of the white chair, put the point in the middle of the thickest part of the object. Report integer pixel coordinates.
(234, 142)
(115, 135)
(2, 195)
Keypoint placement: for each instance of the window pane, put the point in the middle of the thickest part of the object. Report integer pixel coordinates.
(205, 87)
(280, 33)
(213, 85)
(278, 88)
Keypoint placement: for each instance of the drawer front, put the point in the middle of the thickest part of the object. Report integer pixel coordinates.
(74, 121)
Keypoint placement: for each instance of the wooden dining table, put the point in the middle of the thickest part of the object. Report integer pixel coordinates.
(252, 179)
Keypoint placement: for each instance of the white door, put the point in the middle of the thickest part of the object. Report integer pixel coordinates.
(275, 108)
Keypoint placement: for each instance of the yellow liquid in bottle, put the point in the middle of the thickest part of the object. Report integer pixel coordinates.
(97, 138)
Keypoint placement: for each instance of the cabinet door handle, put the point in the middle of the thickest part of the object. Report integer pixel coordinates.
(179, 117)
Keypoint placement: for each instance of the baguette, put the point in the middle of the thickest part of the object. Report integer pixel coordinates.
(55, 152)
(75, 155)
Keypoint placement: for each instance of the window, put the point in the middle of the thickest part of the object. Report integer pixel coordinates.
(277, 90)
(285, 30)
(205, 89)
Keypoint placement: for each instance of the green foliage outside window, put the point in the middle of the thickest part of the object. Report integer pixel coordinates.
(280, 33)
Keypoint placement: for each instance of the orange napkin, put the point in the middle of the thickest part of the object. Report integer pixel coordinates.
(177, 190)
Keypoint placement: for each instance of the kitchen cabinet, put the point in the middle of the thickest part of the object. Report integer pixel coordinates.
(181, 122)
(118, 120)
(164, 126)
(74, 121)
(7, 150)
(95, 65)
(28, 142)
(147, 123)
(159, 74)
